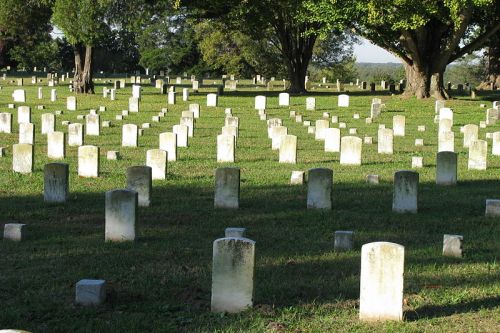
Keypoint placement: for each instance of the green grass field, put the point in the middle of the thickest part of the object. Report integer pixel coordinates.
(162, 281)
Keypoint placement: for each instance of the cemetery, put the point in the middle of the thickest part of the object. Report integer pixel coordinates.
(175, 202)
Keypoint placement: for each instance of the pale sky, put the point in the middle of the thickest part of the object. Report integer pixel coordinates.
(367, 52)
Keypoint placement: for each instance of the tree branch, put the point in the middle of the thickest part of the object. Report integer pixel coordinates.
(476, 44)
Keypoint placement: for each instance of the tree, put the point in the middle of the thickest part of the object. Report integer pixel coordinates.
(274, 20)
(427, 37)
(492, 57)
(84, 25)
(24, 24)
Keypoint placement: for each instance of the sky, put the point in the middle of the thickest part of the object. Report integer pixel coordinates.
(367, 52)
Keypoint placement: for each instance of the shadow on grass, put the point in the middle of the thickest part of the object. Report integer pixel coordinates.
(435, 311)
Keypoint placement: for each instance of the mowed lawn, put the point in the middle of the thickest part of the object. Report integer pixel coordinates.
(162, 281)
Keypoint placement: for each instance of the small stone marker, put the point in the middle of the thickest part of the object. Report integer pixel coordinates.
(139, 179)
(56, 182)
(93, 125)
(471, 133)
(27, 133)
(225, 148)
(332, 139)
(284, 99)
(232, 274)
(234, 232)
(319, 188)
(22, 158)
(320, 126)
(398, 125)
(212, 100)
(48, 123)
(446, 168)
(343, 240)
(310, 103)
(297, 178)
(71, 103)
(88, 161)
(446, 141)
(23, 114)
(381, 284)
(14, 232)
(133, 104)
(227, 188)
(350, 150)
(417, 162)
(452, 246)
(492, 208)
(405, 197)
(5, 122)
(112, 155)
(372, 179)
(121, 212)
(75, 134)
(260, 102)
(343, 101)
(90, 292)
(157, 160)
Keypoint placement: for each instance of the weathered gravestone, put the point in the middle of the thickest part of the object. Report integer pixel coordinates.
(90, 292)
(227, 188)
(88, 161)
(129, 135)
(381, 284)
(56, 145)
(22, 158)
(478, 150)
(56, 182)
(27, 133)
(121, 215)
(75, 134)
(232, 274)
(168, 143)
(5, 122)
(452, 246)
(139, 179)
(405, 196)
(343, 240)
(350, 150)
(181, 132)
(319, 188)
(385, 141)
(48, 123)
(332, 139)
(446, 168)
(288, 149)
(157, 160)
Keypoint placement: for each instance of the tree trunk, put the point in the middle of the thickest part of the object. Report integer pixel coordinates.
(297, 73)
(424, 83)
(82, 82)
(3, 53)
(492, 80)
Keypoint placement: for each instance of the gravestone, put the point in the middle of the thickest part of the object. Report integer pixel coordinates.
(23, 114)
(398, 125)
(133, 104)
(343, 240)
(227, 188)
(181, 132)
(288, 149)
(343, 101)
(121, 215)
(75, 134)
(260, 102)
(232, 274)
(90, 292)
(56, 182)
(277, 133)
(350, 150)
(452, 246)
(189, 123)
(417, 162)
(129, 135)
(27, 133)
(495, 144)
(471, 133)
(56, 145)
(320, 125)
(284, 99)
(212, 100)
(376, 110)
(14, 232)
(48, 123)
(92, 125)
(5, 122)
(491, 116)
(381, 283)
(171, 98)
(71, 103)
(478, 151)
(157, 160)
(492, 208)
(136, 91)
(234, 232)
(168, 143)
(319, 188)
(446, 168)
(53, 95)
(297, 178)
(405, 196)
(332, 139)
(22, 158)
(185, 94)
(446, 141)
(195, 109)
(139, 179)
(19, 96)
(385, 141)
(88, 161)
(310, 103)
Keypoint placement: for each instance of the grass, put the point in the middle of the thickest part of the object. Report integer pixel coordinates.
(161, 282)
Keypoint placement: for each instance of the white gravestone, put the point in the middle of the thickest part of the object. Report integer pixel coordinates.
(5, 122)
(471, 133)
(71, 103)
(453, 246)
(284, 99)
(140, 180)
(23, 114)
(92, 125)
(225, 148)
(168, 143)
(478, 151)
(343, 101)
(385, 141)
(446, 168)
(332, 140)
(22, 158)
(212, 99)
(319, 188)
(56, 145)
(56, 182)
(27, 133)
(260, 102)
(381, 283)
(75, 134)
(227, 188)
(288, 149)
(398, 125)
(88, 161)
(157, 160)
(350, 150)
(48, 123)
(181, 132)
(405, 196)
(129, 135)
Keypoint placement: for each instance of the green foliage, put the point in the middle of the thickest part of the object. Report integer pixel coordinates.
(471, 69)
(42, 54)
(390, 72)
(234, 52)
(82, 21)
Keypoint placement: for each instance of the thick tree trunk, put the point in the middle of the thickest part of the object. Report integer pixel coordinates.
(424, 83)
(297, 70)
(82, 82)
(492, 79)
